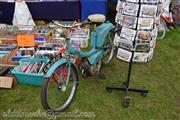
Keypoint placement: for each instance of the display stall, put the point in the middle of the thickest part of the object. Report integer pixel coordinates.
(137, 29)
(53, 10)
(135, 38)
(47, 10)
(32, 47)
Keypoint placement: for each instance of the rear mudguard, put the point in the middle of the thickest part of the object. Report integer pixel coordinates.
(58, 63)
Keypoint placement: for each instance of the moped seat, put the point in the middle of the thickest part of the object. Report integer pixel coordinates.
(97, 18)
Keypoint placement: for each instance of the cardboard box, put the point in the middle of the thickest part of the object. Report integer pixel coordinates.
(7, 82)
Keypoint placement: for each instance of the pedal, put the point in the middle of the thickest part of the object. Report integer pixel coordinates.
(84, 73)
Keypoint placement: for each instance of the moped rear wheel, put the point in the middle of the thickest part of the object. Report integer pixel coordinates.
(161, 29)
(56, 95)
(109, 51)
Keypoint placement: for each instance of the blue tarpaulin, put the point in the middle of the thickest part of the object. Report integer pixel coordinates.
(89, 7)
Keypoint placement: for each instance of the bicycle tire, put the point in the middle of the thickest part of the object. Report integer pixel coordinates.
(110, 52)
(44, 98)
(163, 27)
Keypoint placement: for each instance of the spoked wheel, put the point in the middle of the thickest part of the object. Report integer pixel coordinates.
(162, 29)
(109, 51)
(58, 91)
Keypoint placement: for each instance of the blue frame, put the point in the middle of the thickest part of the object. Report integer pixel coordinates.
(94, 55)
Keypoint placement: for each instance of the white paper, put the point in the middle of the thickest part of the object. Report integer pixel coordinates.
(22, 15)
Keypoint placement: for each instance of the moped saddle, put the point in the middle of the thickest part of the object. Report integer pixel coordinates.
(97, 18)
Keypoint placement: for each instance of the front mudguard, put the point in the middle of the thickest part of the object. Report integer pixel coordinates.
(58, 63)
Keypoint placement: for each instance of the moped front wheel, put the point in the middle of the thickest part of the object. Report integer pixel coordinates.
(109, 51)
(59, 90)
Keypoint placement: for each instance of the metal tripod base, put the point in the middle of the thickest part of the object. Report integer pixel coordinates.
(127, 99)
(111, 87)
(126, 87)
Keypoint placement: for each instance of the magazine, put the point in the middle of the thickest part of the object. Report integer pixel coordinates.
(133, 1)
(79, 38)
(140, 57)
(31, 67)
(128, 34)
(122, 41)
(124, 54)
(81, 33)
(45, 54)
(130, 9)
(148, 10)
(143, 57)
(144, 35)
(154, 33)
(142, 47)
(150, 54)
(128, 21)
(151, 1)
(116, 40)
(79, 42)
(126, 44)
(60, 40)
(159, 9)
(119, 6)
(117, 18)
(145, 23)
(153, 43)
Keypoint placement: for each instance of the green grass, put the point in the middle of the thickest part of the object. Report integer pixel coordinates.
(161, 76)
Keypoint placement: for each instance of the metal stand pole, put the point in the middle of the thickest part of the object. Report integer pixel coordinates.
(126, 88)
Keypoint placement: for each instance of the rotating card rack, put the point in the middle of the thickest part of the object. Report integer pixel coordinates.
(135, 37)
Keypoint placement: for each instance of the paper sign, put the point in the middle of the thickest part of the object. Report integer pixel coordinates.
(6, 82)
(25, 40)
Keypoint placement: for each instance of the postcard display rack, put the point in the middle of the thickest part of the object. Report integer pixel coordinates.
(135, 37)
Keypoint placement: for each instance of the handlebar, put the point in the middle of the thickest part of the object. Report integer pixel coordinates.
(69, 26)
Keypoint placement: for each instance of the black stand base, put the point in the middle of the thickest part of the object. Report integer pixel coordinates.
(127, 99)
(126, 87)
(111, 87)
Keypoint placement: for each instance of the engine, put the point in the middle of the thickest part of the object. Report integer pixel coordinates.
(87, 69)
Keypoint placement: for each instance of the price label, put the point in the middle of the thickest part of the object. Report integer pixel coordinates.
(25, 40)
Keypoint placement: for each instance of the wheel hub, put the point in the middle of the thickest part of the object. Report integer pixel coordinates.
(63, 88)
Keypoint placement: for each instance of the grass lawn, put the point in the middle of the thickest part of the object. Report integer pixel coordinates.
(161, 76)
